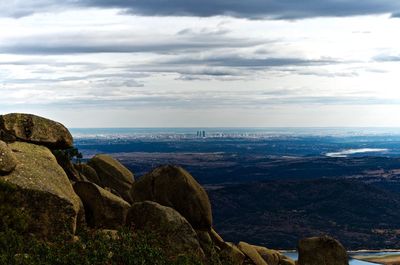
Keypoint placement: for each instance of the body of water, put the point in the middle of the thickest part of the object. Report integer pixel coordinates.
(294, 255)
(348, 152)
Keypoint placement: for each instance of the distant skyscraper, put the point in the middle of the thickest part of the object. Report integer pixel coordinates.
(204, 133)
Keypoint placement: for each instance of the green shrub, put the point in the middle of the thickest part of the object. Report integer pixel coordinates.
(92, 248)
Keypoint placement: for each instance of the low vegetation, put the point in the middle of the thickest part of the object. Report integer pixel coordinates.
(90, 247)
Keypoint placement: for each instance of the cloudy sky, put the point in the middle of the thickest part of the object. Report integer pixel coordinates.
(188, 63)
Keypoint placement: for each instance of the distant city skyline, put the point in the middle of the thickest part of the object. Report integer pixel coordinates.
(153, 63)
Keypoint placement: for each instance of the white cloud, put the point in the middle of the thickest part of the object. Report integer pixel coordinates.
(251, 72)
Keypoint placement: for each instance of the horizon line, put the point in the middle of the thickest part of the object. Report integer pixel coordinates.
(245, 127)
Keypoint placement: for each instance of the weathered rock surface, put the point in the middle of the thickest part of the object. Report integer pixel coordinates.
(113, 174)
(8, 162)
(232, 253)
(287, 261)
(273, 257)
(34, 129)
(45, 191)
(179, 236)
(205, 242)
(65, 162)
(89, 173)
(174, 187)
(228, 250)
(321, 250)
(216, 238)
(81, 218)
(103, 209)
(252, 253)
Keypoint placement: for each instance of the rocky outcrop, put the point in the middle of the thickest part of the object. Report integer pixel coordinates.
(34, 129)
(228, 251)
(216, 238)
(178, 235)
(65, 162)
(45, 191)
(252, 253)
(321, 250)
(168, 201)
(8, 162)
(205, 241)
(113, 174)
(103, 209)
(174, 187)
(232, 254)
(88, 172)
(273, 257)
(287, 261)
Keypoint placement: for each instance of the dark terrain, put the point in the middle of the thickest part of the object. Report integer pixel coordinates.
(273, 191)
(279, 213)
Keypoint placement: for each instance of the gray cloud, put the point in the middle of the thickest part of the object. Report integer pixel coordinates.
(323, 72)
(196, 100)
(238, 61)
(253, 9)
(18, 9)
(387, 58)
(54, 44)
(231, 67)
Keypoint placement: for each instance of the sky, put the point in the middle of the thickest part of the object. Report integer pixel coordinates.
(209, 63)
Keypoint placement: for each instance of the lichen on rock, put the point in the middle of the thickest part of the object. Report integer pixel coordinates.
(44, 189)
(8, 162)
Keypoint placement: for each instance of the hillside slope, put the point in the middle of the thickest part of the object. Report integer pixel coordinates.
(278, 213)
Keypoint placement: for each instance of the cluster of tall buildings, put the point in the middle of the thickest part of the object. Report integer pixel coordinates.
(201, 133)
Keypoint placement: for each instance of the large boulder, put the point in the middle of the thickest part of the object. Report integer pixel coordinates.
(321, 250)
(44, 191)
(34, 129)
(113, 175)
(8, 162)
(177, 234)
(251, 252)
(102, 208)
(174, 187)
(89, 173)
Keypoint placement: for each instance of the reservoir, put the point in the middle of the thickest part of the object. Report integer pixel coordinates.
(294, 255)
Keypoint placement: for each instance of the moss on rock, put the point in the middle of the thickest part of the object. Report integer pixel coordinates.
(8, 162)
(44, 189)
